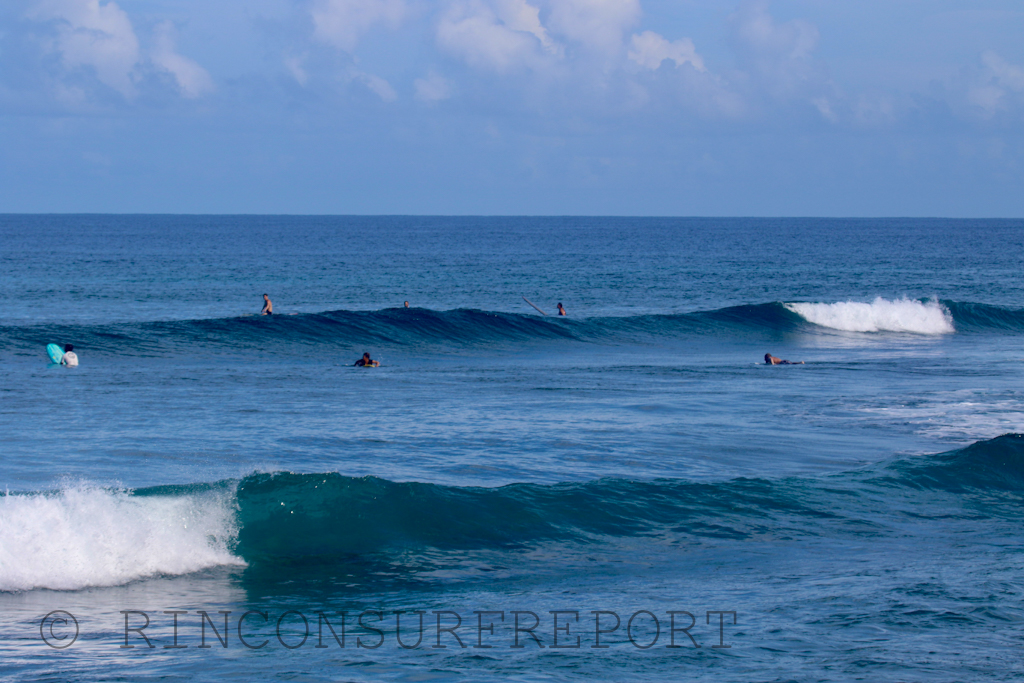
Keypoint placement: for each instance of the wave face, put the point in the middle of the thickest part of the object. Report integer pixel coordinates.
(87, 536)
(83, 536)
(881, 315)
(286, 517)
(467, 327)
(982, 317)
(993, 466)
(393, 327)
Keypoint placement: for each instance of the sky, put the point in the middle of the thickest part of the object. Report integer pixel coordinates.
(513, 107)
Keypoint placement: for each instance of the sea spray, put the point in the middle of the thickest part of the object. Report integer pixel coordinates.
(89, 536)
(881, 315)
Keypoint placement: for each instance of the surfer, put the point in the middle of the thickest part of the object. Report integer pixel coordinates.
(366, 362)
(70, 358)
(561, 309)
(769, 359)
(268, 307)
(407, 304)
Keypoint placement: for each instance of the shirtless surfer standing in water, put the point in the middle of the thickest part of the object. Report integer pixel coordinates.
(268, 308)
(70, 358)
(769, 359)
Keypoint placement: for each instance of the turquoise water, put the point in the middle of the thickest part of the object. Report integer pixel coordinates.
(860, 513)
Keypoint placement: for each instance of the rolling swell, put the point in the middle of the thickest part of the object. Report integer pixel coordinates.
(993, 466)
(287, 516)
(284, 517)
(390, 327)
(983, 317)
(398, 327)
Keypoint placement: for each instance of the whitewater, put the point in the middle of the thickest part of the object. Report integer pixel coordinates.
(208, 479)
(880, 315)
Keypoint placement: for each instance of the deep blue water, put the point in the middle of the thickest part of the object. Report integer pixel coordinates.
(860, 513)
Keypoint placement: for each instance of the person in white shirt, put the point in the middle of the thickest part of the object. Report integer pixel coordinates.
(70, 358)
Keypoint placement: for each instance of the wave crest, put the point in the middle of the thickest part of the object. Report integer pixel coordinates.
(463, 328)
(88, 536)
(881, 315)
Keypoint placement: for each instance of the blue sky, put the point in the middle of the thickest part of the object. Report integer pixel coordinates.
(628, 107)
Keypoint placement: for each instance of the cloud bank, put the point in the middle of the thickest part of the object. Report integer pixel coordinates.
(684, 95)
(95, 40)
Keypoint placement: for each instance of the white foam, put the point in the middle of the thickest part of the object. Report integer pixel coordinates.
(88, 536)
(881, 315)
(960, 417)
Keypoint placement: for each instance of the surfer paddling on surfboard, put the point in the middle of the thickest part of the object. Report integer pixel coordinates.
(366, 362)
(769, 359)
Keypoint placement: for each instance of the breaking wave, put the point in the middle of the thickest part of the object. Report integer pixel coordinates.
(86, 536)
(89, 536)
(881, 315)
(468, 327)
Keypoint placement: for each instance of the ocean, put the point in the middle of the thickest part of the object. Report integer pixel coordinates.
(625, 493)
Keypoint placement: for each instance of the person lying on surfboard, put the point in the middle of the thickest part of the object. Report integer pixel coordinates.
(769, 359)
(366, 362)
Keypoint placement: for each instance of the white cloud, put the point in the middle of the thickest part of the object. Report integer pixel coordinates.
(995, 84)
(376, 84)
(342, 22)
(987, 97)
(193, 80)
(433, 88)
(598, 24)
(100, 38)
(780, 55)
(1004, 73)
(514, 36)
(519, 15)
(824, 107)
(507, 34)
(650, 49)
(474, 31)
(296, 69)
(874, 110)
(93, 35)
(757, 28)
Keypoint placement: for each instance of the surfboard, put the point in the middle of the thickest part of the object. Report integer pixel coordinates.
(534, 305)
(55, 352)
